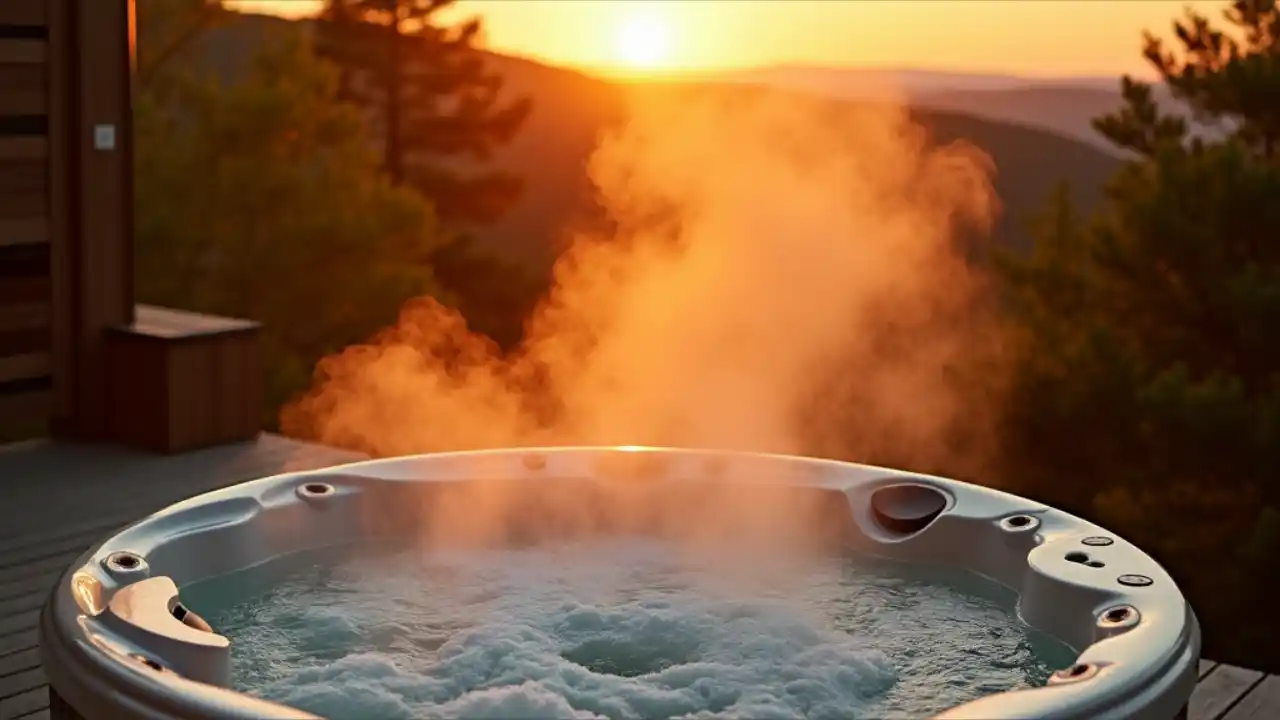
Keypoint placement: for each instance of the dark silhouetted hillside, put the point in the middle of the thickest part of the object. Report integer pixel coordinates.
(572, 110)
(1066, 106)
(1067, 111)
(855, 83)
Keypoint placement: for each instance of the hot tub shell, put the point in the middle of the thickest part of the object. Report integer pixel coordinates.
(113, 647)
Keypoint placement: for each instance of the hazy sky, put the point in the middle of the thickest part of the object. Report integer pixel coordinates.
(1026, 37)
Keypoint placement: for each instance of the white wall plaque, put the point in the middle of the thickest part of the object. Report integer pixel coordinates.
(104, 137)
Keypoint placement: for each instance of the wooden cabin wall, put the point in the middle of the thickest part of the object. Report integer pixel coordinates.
(66, 207)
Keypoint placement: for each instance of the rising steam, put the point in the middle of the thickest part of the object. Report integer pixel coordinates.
(784, 277)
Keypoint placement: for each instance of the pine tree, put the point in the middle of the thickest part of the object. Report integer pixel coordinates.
(260, 197)
(1149, 392)
(166, 30)
(434, 104)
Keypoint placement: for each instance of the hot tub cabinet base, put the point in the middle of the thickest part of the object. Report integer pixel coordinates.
(117, 642)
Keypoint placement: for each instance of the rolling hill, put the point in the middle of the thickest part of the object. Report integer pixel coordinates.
(573, 109)
(1066, 106)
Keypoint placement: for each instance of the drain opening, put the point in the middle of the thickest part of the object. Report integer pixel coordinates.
(1019, 521)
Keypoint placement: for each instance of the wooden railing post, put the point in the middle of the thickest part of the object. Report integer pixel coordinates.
(91, 194)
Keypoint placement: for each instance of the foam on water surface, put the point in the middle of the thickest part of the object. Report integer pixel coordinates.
(615, 629)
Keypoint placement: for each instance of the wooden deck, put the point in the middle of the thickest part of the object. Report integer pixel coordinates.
(58, 499)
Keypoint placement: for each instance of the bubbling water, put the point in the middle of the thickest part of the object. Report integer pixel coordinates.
(615, 628)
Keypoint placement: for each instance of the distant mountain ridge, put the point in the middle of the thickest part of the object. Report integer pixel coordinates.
(1064, 105)
(909, 80)
(573, 109)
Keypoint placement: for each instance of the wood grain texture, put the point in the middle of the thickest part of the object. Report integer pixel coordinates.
(1260, 703)
(23, 187)
(20, 705)
(57, 228)
(23, 89)
(99, 261)
(21, 147)
(180, 381)
(24, 230)
(1220, 690)
(24, 405)
(24, 12)
(23, 290)
(170, 324)
(25, 366)
(24, 316)
(22, 51)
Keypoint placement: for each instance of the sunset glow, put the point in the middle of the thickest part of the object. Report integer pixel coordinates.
(1042, 38)
(642, 40)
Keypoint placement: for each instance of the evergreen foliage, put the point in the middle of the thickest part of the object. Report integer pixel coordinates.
(431, 98)
(1148, 395)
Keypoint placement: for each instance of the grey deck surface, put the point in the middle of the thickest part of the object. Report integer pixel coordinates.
(57, 499)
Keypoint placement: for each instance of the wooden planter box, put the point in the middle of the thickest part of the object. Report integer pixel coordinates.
(178, 381)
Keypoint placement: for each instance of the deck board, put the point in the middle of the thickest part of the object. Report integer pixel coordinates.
(1220, 691)
(63, 498)
(21, 682)
(19, 661)
(23, 704)
(1261, 703)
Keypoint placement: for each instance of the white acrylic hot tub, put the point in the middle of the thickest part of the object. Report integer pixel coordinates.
(117, 643)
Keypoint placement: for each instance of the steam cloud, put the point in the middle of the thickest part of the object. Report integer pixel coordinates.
(784, 277)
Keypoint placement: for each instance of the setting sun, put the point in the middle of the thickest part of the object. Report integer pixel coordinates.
(641, 41)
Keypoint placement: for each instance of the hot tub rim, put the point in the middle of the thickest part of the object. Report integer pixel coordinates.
(65, 648)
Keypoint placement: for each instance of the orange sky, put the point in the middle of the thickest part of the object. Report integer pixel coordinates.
(1025, 37)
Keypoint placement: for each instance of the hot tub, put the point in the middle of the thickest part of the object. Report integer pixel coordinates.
(116, 640)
